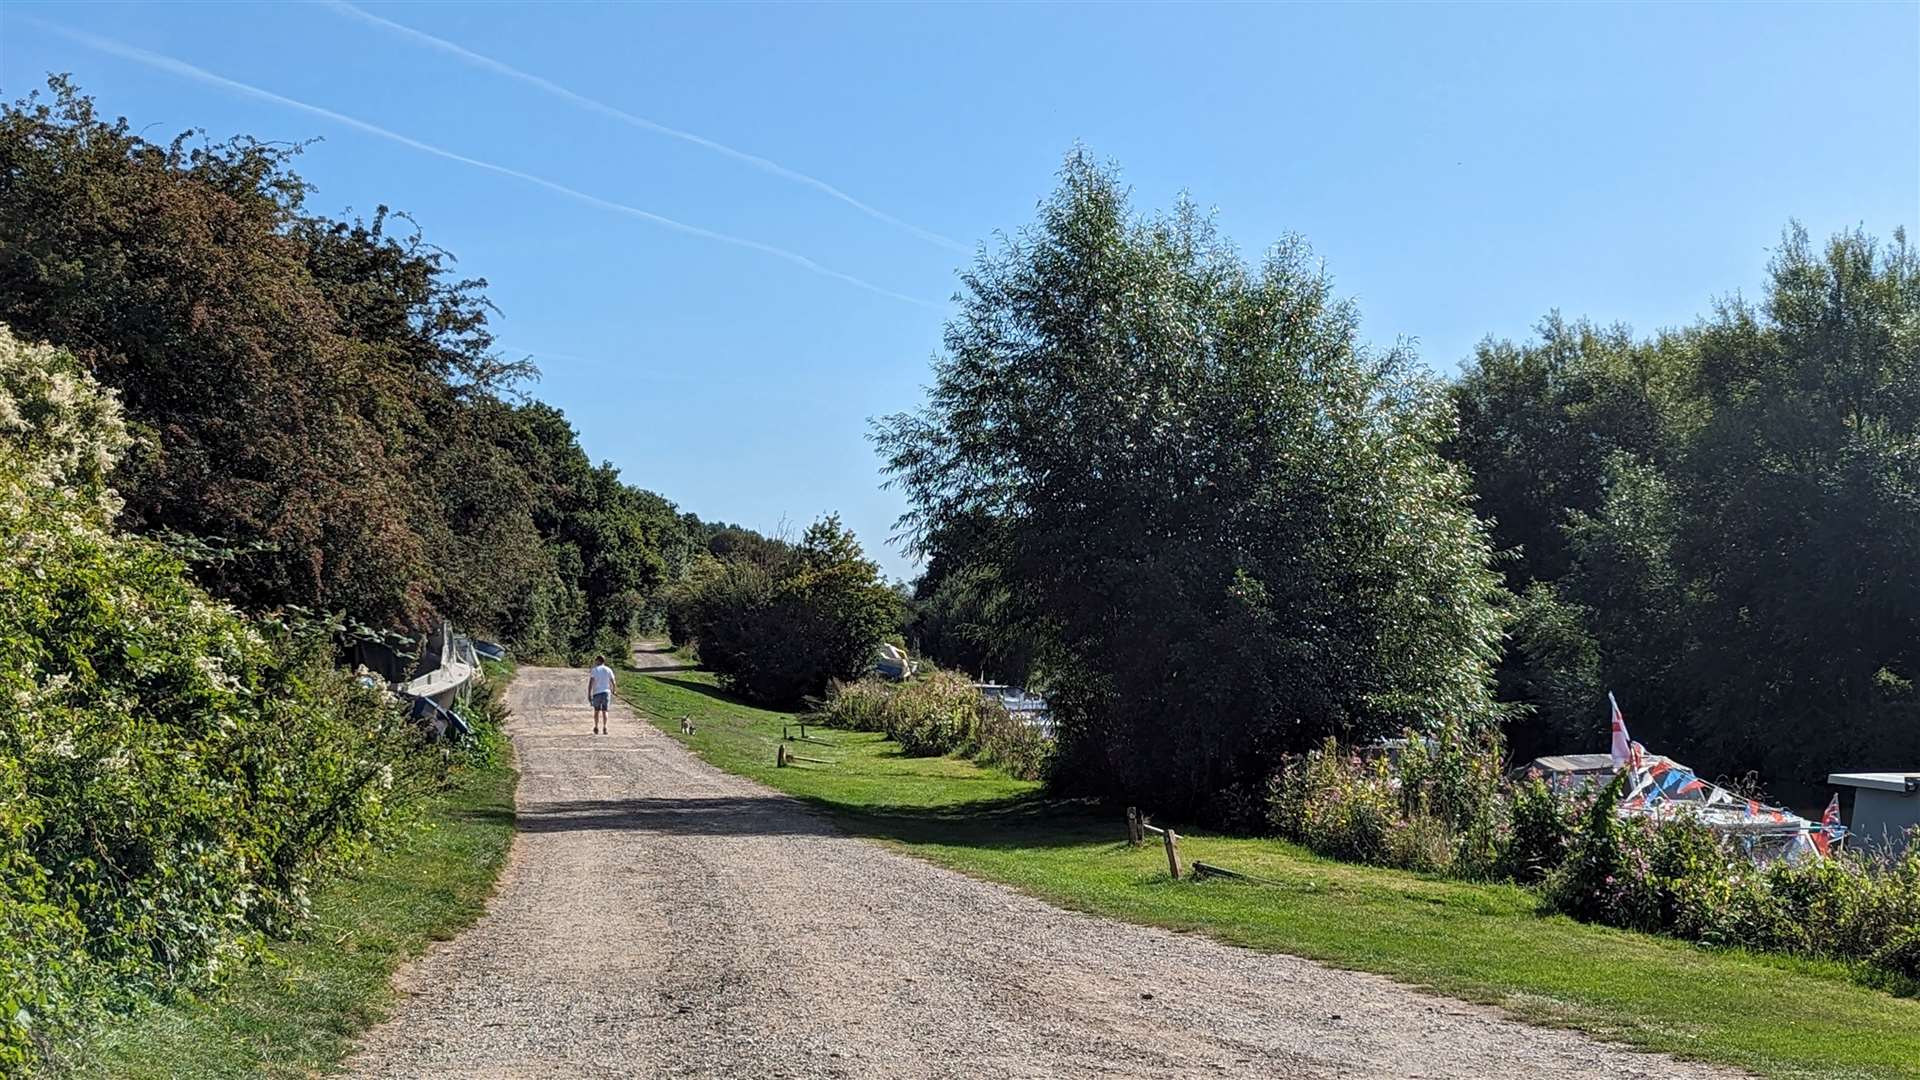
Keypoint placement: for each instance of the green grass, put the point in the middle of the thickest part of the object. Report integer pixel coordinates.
(298, 1013)
(1775, 1015)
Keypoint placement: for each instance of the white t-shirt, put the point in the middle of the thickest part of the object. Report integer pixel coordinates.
(600, 680)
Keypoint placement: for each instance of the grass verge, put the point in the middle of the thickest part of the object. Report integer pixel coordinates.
(1777, 1016)
(298, 1013)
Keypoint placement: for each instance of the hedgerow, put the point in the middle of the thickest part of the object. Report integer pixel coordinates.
(173, 777)
(1678, 877)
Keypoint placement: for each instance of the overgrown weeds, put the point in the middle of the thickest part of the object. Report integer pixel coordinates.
(1680, 878)
(1430, 804)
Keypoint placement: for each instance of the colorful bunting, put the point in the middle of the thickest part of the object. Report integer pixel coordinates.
(1660, 789)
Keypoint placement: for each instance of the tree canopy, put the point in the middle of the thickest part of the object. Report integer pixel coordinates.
(1719, 524)
(1226, 513)
(779, 621)
(323, 394)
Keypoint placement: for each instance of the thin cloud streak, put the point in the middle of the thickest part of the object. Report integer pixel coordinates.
(188, 71)
(548, 86)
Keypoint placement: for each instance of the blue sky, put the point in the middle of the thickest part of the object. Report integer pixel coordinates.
(1462, 170)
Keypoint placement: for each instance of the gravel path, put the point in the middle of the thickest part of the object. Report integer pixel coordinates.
(660, 918)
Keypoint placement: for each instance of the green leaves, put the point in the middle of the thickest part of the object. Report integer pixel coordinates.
(779, 621)
(1728, 518)
(171, 777)
(1224, 511)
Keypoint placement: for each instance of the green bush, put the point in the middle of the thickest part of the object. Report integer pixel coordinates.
(1680, 878)
(44, 976)
(174, 777)
(937, 714)
(1438, 806)
(778, 622)
(1597, 882)
(485, 712)
(1902, 955)
(1005, 740)
(857, 706)
(1337, 804)
(1435, 809)
(1541, 833)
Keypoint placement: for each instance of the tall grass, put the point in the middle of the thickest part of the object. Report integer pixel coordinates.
(937, 713)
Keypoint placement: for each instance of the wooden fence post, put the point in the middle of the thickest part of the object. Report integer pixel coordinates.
(1135, 834)
(1173, 853)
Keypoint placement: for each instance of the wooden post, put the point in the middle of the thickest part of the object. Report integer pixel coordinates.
(1135, 834)
(1173, 853)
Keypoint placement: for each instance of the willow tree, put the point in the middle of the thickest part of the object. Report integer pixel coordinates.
(1226, 512)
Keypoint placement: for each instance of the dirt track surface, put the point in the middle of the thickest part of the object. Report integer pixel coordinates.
(660, 918)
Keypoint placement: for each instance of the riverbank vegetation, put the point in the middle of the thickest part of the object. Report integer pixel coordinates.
(1174, 488)
(939, 713)
(176, 778)
(230, 428)
(1440, 806)
(1242, 551)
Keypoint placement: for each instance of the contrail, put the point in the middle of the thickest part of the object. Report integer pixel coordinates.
(188, 71)
(601, 107)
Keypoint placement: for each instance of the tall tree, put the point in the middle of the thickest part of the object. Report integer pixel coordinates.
(1227, 511)
(1802, 515)
(1719, 524)
(778, 621)
(324, 393)
(1539, 419)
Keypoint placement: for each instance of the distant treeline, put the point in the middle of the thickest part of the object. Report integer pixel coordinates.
(318, 407)
(1177, 490)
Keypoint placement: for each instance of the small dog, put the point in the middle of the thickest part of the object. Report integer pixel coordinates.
(686, 726)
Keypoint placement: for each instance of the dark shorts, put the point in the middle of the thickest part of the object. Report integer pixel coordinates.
(600, 700)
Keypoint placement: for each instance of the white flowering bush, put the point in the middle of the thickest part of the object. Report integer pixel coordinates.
(172, 779)
(65, 428)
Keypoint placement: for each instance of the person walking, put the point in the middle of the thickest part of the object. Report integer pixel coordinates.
(600, 694)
